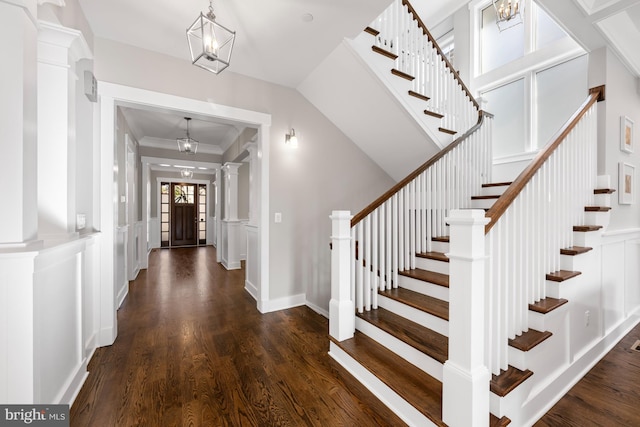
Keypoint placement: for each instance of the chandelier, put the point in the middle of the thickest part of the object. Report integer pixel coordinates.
(186, 173)
(210, 43)
(187, 145)
(508, 13)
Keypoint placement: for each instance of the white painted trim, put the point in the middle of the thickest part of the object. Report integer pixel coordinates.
(251, 289)
(321, 311)
(283, 303)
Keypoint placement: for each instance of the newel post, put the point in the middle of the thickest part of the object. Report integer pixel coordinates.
(342, 317)
(465, 386)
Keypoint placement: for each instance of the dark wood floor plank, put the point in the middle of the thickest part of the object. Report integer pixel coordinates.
(193, 350)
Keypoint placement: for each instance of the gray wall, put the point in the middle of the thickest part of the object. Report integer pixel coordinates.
(325, 173)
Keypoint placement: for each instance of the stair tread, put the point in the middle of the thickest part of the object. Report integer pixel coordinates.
(371, 31)
(597, 209)
(562, 275)
(496, 184)
(426, 303)
(508, 380)
(444, 239)
(415, 386)
(402, 74)
(423, 339)
(427, 276)
(494, 196)
(384, 52)
(498, 422)
(528, 340)
(419, 95)
(604, 191)
(586, 228)
(438, 256)
(547, 305)
(575, 250)
(433, 114)
(445, 130)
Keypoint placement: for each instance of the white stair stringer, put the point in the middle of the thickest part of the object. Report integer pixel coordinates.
(349, 94)
(403, 409)
(420, 317)
(402, 349)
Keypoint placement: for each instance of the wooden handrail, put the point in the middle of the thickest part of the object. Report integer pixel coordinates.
(393, 190)
(444, 58)
(510, 194)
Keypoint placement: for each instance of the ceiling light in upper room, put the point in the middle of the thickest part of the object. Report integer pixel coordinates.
(187, 145)
(307, 17)
(508, 13)
(210, 43)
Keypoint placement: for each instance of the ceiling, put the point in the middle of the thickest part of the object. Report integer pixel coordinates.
(159, 128)
(282, 41)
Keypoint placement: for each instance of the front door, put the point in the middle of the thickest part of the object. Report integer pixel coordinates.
(184, 220)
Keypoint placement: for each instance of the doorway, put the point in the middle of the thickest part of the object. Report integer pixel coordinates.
(183, 208)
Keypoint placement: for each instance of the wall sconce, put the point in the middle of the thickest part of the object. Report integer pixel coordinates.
(291, 139)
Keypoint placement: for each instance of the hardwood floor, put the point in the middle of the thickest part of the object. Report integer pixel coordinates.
(192, 350)
(609, 395)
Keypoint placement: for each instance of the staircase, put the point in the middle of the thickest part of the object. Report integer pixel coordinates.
(451, 294)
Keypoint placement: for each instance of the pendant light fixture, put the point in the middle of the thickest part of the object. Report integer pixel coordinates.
(186, 173)
(187, 145)
(508, 13)
(210, 43)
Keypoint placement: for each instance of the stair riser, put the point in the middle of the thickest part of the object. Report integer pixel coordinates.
(554, 321)
(577, 262)
(391, 399)
(590, 239)
(597, 218)
(440, 247)
(482, 203)
(490, 191)
(602, 200)
(432, 265)
(425, 288)
(410, 354)
(509, 405)
(427, 320)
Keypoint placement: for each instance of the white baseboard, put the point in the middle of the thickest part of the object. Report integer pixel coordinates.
(122, 294)
(318, 309)
(251, 289)
(74, 384)
(282, 303)
(231, 266)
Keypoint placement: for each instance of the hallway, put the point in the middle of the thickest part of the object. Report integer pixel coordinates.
(192, 350)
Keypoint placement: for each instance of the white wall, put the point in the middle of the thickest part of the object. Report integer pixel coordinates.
(326, 172)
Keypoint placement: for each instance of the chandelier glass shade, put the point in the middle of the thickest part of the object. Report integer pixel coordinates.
(508, 13)
(187, 145)
(210, 43)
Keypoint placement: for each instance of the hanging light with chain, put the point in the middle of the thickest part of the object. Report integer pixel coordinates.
(210, 43)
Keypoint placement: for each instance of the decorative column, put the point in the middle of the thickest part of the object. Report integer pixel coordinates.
(59, 48)
(18, 122)
(342, 309)
(465, 385)
(254, 183)
(231, 225)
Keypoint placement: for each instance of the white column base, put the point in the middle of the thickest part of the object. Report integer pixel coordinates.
(471, 408)
(342, 315)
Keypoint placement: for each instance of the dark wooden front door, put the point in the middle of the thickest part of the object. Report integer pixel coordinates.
(184, 230)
